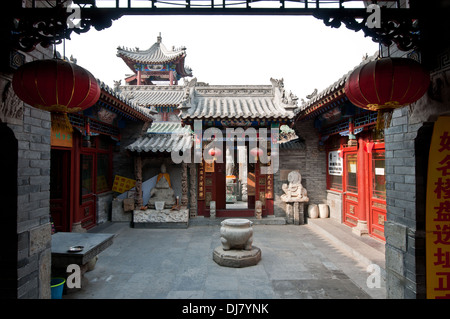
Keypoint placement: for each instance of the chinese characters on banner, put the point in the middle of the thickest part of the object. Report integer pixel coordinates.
(438, 212)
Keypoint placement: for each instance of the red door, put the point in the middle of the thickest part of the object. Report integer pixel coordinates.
(87, 191)
(59, 189)
(350, 194)
(219, 193)
(377, 215)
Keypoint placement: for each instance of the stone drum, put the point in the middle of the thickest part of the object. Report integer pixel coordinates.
(236, 249)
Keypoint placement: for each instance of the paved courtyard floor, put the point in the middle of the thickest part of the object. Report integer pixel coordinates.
(297, 263)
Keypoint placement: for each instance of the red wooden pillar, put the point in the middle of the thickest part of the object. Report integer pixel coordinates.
(171, 77)
(75, 183)
(363, 187)
(138, 78)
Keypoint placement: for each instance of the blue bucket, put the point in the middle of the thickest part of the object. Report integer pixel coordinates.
(57, 287)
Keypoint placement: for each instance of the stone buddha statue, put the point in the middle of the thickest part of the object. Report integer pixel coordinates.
(162, 191)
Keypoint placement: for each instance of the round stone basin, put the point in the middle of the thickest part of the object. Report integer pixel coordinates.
(236, 233)
(237, 222)
(236, 250)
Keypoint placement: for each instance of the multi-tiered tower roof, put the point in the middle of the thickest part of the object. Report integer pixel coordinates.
(155, 64)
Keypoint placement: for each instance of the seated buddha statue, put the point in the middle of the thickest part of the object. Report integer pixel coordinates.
(162, 191)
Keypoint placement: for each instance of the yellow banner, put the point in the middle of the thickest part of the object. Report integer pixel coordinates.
(438, 212)
(122, 184)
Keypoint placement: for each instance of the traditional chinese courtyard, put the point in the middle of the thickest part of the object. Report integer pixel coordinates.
(297, 262)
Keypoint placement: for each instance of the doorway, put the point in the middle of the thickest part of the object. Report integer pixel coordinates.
(236, 181)
(351, 189)
(60, 189)
(8, 197)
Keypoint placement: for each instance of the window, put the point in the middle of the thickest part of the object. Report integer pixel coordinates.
(96, 165)
(86, 174)
(103, 173)
(352, 177)
(335, 170)
(378, 176)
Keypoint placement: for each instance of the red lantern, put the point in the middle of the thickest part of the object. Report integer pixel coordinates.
(387, 83)
(215, 152)
(57, 86)
(256, 152)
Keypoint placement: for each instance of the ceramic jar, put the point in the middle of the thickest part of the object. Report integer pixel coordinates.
(236, 233)
(323, 211)
(313, 211)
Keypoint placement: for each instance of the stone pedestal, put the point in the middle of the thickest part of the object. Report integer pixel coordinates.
(212, 210)
(237, 258)
(258, 209)
(361, 228)
(166, 218)
(295, 213)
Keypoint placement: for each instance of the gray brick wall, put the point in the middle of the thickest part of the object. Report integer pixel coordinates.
(406, 164)
(33, 210)
(31, 128)
(311, 164)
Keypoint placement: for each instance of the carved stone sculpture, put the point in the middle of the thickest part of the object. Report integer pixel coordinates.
(294, 192)
(162, 191)
(295, 197)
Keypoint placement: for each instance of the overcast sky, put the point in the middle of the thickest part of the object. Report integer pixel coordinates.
(231, 49)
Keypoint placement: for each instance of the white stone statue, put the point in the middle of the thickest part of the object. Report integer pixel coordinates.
(295, 197)
(229, 163)
(294, 192)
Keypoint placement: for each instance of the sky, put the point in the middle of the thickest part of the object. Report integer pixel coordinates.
(231, 50)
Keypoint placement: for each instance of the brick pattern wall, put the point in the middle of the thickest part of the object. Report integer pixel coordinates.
(311, 164)
(31, 128)
(406, 163)
(33, 210)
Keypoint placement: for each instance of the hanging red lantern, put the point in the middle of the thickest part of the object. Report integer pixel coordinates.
(256, 152)
(215, 152)
(57, 86)
(387, 83)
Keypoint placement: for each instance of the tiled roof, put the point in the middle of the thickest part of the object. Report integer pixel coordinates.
(337, 88)
(156, 54)
(154, 95)
(163, 137)
(294, 144)
(232, 101)
(128, 105)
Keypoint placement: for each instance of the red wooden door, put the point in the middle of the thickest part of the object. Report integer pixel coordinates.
(377, 177)
(87, 191)
(59, 189)
(350, 194)
(219, 192)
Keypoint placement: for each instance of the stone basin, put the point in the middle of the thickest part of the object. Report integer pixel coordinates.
(236, 233)
(236, 250)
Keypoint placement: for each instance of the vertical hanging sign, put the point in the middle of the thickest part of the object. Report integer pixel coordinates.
(438, 212)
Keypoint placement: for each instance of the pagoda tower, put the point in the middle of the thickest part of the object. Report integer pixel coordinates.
(155, 64)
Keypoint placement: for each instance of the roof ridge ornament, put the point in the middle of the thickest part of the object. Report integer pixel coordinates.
(159, 38)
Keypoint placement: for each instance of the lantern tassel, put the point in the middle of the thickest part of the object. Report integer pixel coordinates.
(61, 122)
(380, 120)
(383, 119)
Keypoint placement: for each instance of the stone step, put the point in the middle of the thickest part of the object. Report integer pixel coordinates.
(206, 221)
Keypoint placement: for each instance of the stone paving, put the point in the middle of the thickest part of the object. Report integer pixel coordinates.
(297, 263)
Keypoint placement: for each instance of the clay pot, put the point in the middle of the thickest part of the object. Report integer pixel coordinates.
(323, 211)
(236, 233)
(313, 211)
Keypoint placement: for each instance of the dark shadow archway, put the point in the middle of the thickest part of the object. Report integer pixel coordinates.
(8, 200)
